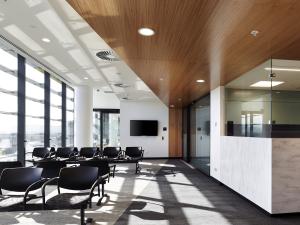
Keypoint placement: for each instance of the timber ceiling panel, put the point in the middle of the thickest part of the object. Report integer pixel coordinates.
(195, 39)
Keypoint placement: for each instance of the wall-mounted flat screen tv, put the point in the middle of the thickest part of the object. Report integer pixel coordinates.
(143, 127)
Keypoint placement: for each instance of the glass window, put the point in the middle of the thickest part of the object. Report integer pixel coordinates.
(106, 128)
(8, 107)
(55, 112)
(55, 133)
(96, 129)
(8, 60)
(35, 98)
(248, 103)
(70, 117)
(8, 81)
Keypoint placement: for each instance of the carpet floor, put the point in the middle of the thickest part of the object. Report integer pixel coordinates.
(164, 193)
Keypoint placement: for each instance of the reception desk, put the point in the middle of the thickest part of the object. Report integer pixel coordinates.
(264, 170)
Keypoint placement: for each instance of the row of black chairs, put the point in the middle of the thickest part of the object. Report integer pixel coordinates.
(87, 152)
(16, 178)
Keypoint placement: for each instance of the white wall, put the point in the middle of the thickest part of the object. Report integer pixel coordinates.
(145, 110)
(103, 100)
(246, 167)
(83, 116)
(243, 164)
(216, 129)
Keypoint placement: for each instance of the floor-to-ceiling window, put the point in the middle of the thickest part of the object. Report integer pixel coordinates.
(34, 105)
(55, 112)
(8, 105)
(70, 117)
(106, 127)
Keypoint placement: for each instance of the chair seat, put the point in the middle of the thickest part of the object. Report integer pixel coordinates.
(67, 201)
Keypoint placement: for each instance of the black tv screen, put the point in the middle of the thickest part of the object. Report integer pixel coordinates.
(143, 127)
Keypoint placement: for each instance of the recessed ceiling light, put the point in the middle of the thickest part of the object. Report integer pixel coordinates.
(254, 33)
(146, 31)
(266, 83)
(86, 78)
(200, 81)
(282, 69)
(161, 79)
(172, 106)
(47, 40)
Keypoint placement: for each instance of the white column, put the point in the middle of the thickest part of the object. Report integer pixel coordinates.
(83, 116)
(217, 124)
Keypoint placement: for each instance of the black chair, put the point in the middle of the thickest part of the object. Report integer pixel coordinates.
(111, 152)
(65, 152)
(22, 179)
(40, 152)
(88, 152)
(12, 164)
(134, 152)
(51, 168)
(104, 170)
(73, 178)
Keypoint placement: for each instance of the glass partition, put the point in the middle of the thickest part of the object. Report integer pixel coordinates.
(200, 134)
(265, 102)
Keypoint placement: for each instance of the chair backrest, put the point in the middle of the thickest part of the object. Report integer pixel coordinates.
(64, 152)
(40, 152)
(51, 168)
(110, 152)
(19, 179)
(134, 152)
(12, 164)
(77, 178)
(102, 165)
(88, 152)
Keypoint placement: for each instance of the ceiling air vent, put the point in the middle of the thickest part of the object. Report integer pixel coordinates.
(109, 92)
(122, 85)
(107, 55)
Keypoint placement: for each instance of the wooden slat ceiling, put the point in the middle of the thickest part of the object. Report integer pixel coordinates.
(195, 39)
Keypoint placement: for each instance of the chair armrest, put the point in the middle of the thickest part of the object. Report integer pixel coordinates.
(96, 183)
(34, 186)
(142, 155)
(44, 188)
(113, 168)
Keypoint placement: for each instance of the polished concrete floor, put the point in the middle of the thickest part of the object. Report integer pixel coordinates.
(165, 193)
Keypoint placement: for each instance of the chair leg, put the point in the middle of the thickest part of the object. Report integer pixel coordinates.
(99, 190)
(82, 216)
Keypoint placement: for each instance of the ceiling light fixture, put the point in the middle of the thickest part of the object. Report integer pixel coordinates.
(172, 106)
(146, 31)
(282, 69)
(254, 33)
(200, 81)
(266, 83)
(47, 40)
(86, 78)
(161, 79)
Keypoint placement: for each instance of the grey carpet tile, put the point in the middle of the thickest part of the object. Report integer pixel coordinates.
(164, 193)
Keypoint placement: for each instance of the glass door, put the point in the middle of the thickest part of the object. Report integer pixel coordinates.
(106, 128)
(200, 134)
